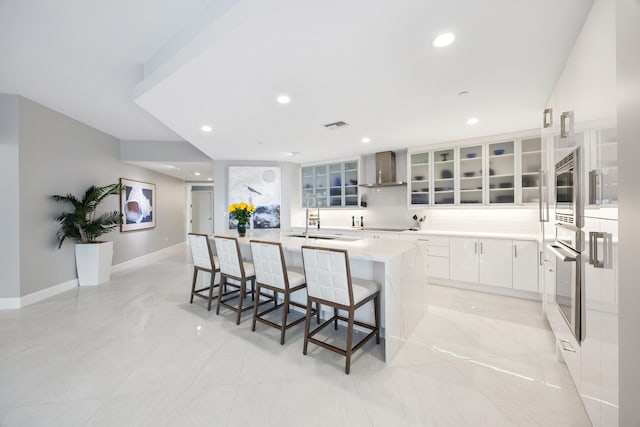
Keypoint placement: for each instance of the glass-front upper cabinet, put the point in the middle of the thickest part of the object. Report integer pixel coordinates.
(502, 172)
(420, 172)
(443, 177)
(335, 184)
(531, 161)
(350, 184)
(471, 173)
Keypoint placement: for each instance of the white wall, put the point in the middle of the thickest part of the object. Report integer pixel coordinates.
(588, 81)
(10, 201)
(59, 155)
(628, 73)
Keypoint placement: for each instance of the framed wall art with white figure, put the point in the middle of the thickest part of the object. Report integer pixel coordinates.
(258, 186)
(137, 205)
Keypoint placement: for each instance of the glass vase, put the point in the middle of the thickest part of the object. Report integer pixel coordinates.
(242, 229)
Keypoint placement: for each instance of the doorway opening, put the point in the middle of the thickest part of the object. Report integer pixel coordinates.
(200, 209)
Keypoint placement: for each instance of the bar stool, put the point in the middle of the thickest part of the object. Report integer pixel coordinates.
(329, 282)
(232, 267)
(203, 260)
(272, 273)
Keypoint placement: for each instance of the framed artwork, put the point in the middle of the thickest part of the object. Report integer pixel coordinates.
(258, 186)
(137, 205)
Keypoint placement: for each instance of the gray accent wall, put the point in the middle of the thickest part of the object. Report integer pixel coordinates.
(628, 75)
(9, 202)
(59, 155)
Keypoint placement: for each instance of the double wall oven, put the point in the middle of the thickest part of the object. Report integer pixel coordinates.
(569, 242)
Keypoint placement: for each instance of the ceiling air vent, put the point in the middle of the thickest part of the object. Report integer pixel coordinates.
(335, 125)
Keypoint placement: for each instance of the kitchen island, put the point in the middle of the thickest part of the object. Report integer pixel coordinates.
(397, 265)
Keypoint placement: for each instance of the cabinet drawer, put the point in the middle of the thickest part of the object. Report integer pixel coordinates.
(435, 240)
(440, 251)
(438, 267)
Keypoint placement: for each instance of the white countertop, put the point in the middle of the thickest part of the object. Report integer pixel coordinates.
(367, 249)
(479, 234)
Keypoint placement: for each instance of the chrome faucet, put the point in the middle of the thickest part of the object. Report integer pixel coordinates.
(306, 229)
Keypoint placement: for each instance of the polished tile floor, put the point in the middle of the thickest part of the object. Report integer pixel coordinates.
(135, 352)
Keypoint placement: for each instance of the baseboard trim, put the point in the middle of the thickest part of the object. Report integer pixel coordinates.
(16, 303)
(148, 257)
(9, 303)
(13, 303)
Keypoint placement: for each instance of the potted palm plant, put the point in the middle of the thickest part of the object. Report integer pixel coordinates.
(93, 257)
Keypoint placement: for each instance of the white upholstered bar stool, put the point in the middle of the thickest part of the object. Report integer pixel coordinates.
(272, 273)
(233, 267)
(329, 282)
(203, 260)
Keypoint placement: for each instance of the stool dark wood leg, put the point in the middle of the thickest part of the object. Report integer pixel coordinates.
(349, 341)
(193, 286)
(256, 303)
(285, 311)
(317, 313)
(306, 326)
(242, 294)
(335, 322)
(223, 285)
(376, 309)
(211, 282)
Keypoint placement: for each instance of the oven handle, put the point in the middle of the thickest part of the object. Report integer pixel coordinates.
(560, 252)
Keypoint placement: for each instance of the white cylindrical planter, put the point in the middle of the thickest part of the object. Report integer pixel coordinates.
(93, 263)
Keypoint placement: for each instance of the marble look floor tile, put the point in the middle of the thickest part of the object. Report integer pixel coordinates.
(68, 414)
(319, 400)
(524, 384)
(135, 352)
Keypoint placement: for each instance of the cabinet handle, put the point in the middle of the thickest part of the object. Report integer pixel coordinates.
(515, 251)
(547, 118)
(593, 182)
(481, 247)
(543, 213)
(607, 241)
(566, 346)
(566, 124)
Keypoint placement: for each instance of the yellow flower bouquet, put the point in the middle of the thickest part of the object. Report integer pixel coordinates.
(241, 212)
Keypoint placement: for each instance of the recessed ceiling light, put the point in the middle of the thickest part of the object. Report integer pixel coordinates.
(169, 166)
(283, 99)
(366, 140)
(209, 179)
(196, 173)
(206, 128)
(473, 121)
(443, 40)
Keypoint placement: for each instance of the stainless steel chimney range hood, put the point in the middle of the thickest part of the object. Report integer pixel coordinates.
(385, 171)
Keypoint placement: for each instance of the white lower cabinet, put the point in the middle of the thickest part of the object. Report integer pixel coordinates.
(496, 265)
(485, 261)
(525, 265)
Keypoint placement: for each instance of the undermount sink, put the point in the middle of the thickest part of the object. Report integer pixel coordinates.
(384, 229)
(325, 237)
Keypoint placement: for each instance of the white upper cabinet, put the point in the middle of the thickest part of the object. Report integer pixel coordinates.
(502, 169)
(335, 184)
(495, 173)
(444, 164)
(471, 174)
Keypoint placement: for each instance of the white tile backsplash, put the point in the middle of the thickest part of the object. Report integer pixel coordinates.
(388, 208)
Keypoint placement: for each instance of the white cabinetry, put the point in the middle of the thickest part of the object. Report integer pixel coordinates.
(485, 261)
(437, 256)
(525, 265)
